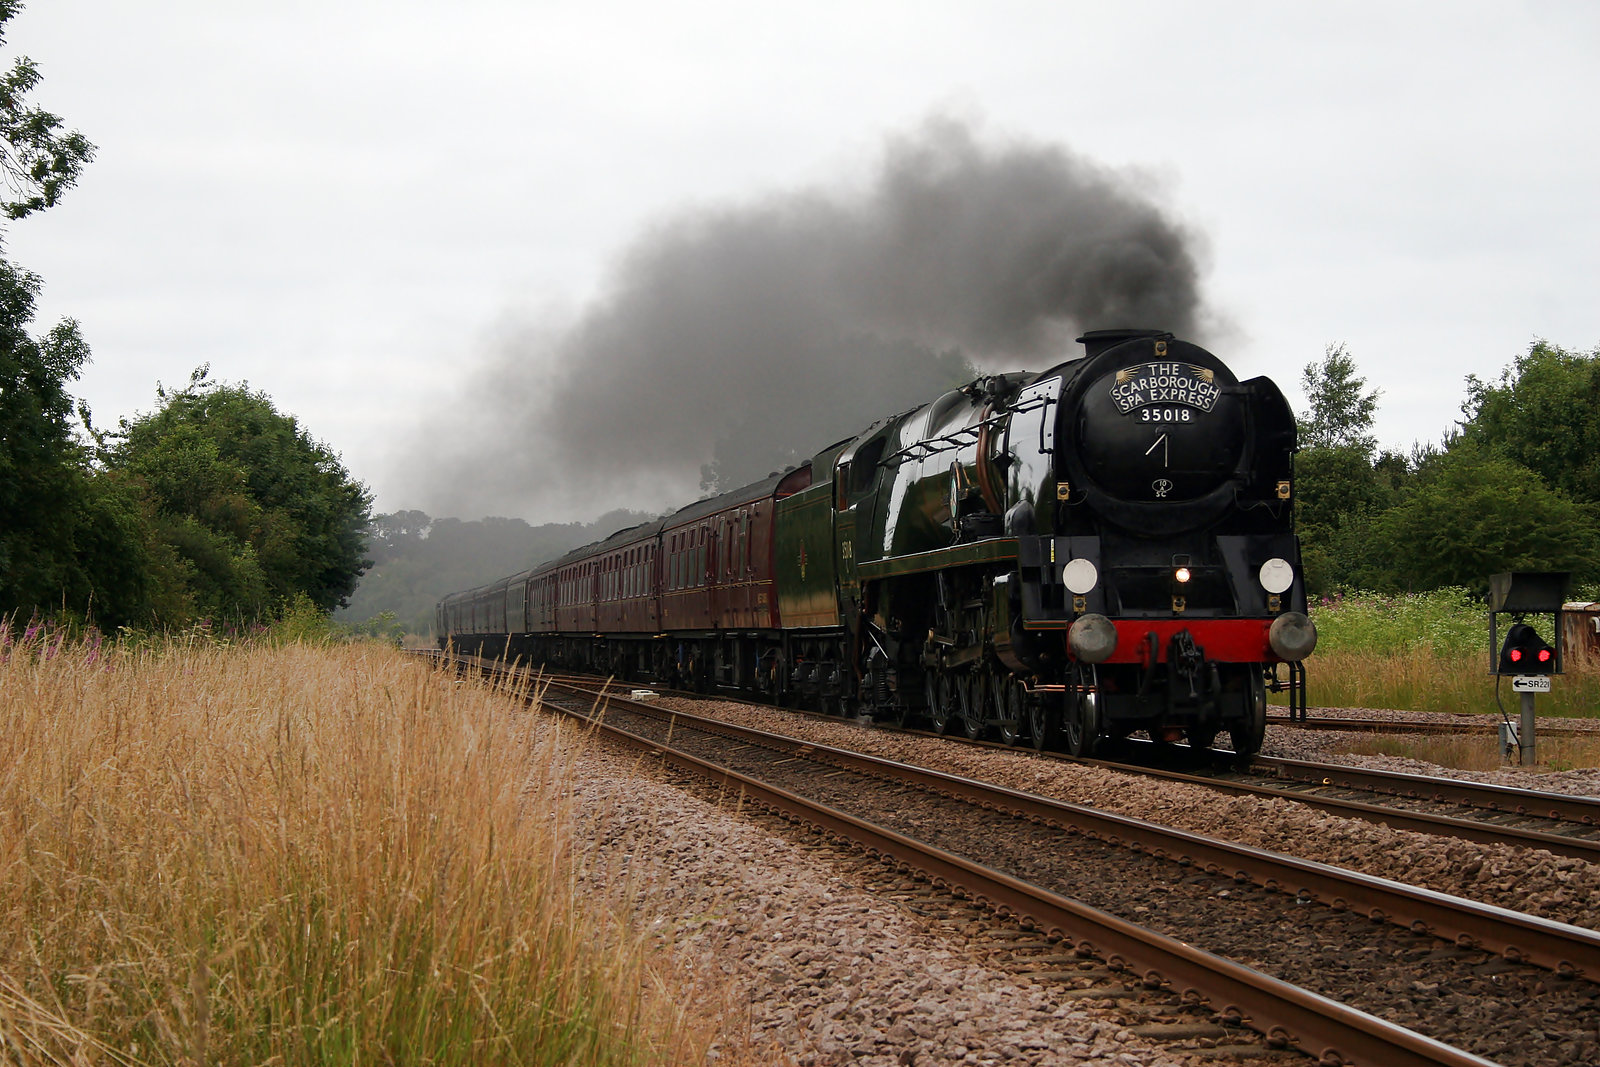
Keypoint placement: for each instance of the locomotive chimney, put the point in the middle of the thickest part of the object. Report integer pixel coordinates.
(1095, 342)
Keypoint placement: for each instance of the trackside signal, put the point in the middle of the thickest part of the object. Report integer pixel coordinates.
(1525, 652)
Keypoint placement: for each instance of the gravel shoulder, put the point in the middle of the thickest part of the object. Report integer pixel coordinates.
(803, 963)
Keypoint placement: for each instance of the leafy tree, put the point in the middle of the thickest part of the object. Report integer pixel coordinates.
(54, 528)
(1475, 513)
(1340, 492)
(1544, 413)
(396, 535)
(1341, 488)
(41, 462)
(38, 160)
(256, 511)
(1340, 412)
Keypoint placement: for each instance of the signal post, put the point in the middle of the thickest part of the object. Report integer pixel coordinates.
(1526, 656)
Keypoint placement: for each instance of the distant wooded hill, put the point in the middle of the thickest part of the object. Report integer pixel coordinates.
(416, 559)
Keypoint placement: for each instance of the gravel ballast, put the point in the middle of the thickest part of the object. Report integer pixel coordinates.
(817, 970)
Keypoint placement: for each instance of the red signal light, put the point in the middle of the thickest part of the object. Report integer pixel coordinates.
(1525, 652)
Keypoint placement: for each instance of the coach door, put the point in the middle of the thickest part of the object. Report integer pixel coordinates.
(716, 591)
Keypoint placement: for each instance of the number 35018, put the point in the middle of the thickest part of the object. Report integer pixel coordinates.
(1165, 414)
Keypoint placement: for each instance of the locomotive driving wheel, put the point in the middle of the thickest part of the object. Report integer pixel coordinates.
(1011, 699)
(974, 703)
(1044, 722)
(944, 707)
(1082, 713)
(1249, 735)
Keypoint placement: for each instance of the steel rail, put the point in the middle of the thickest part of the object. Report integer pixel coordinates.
(1334, 1032)
(1398, 818)
(1568, 950)
(1487, 795)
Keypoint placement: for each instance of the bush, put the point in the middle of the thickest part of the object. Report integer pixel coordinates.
(1449, 622)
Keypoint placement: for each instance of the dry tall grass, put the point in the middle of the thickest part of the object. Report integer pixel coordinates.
(296, 856)
(1421, 679)
(1424, 652)
(1477, 753)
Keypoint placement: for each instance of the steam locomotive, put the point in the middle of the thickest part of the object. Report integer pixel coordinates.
(1058, 558)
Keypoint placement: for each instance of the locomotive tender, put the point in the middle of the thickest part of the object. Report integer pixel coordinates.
(1063, 557)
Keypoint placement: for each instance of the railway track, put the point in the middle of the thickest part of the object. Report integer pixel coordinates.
(1300, 921)
(1446, 807)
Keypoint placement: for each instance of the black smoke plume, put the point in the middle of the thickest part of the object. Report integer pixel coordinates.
(734, 341)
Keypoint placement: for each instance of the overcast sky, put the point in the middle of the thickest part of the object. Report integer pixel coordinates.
(353, 205)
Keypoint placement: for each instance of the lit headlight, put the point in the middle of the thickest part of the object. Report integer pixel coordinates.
(1276, 575)
(1080, 576)
(1181, 574)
